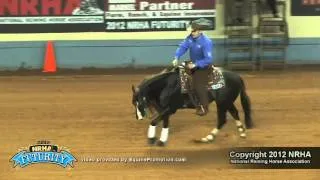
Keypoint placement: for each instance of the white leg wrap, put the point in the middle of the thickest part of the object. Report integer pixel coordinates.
(211, 136)
(238, 123)
(140, 117)
(208, 138)
(243, 134)
(215, 131)
(164, 134)
(151, 131)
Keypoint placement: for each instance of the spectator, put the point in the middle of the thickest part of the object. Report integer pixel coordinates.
(239, 8)
(273, 7)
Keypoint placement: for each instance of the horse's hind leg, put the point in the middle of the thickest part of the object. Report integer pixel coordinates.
(235, 114)
(222, 113)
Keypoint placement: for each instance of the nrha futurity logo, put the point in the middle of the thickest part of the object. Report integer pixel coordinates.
(43, 152)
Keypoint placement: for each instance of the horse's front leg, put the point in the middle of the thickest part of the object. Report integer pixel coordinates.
(155, 119)
(164, 132)
(152, 139)
(221, 110)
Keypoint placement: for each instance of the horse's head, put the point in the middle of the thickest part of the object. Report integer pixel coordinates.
(139, 102)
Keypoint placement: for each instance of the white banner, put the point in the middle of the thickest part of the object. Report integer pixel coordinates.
(52, 20)
(160, 14)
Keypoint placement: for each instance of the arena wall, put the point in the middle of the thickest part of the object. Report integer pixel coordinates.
(109, 50)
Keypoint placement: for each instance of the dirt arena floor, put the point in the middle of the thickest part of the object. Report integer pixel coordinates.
(93, 117)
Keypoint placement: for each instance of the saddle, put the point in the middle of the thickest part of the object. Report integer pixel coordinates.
(215, 79)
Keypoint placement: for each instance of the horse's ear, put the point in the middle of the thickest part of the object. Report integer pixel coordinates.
(133, 89)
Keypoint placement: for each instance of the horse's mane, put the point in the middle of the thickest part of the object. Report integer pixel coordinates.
(147, 81)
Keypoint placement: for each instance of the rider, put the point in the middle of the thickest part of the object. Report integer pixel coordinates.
(200, 50)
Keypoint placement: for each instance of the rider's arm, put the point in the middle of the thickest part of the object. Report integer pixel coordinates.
(208, 58)
(182, 49)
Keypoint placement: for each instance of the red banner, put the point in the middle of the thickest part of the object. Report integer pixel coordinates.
(42, 16)
(37, 7)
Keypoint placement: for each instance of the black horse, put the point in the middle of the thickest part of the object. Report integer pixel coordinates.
(162, 93)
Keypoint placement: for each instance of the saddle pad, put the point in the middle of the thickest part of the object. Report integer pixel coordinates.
(184, 80)
(217, 81)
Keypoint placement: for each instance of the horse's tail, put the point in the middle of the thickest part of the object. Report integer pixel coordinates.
(246, 105)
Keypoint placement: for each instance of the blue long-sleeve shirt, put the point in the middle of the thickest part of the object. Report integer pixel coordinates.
(200, 50)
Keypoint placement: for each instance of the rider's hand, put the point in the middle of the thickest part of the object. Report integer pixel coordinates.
(175, 62)
(191, 65)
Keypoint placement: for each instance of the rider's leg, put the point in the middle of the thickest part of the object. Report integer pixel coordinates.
(200, 80)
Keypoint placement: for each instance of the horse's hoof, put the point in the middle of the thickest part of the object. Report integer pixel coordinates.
(249, 126)
(203, 141)
(161, 144)
(243, 135)
(152, 141)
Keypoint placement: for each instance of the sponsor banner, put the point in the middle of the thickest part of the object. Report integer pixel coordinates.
(157, 15)
(52, 20)
(160, 14)
(45, 16)
(50, 16)
(136, 25)
(305, 7)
